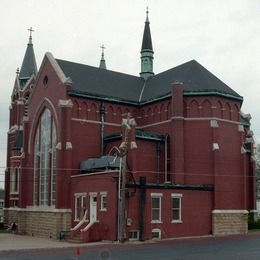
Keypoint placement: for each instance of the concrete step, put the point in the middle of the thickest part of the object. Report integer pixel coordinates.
(75, 240)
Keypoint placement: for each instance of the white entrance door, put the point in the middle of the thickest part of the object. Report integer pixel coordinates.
(93, 208)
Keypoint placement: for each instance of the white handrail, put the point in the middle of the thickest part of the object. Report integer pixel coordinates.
(89, 225)
(81, 222)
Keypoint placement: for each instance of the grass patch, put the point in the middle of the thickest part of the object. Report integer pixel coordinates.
(252, 224)
(3, 230)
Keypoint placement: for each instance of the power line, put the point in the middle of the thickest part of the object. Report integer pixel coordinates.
(233, 175)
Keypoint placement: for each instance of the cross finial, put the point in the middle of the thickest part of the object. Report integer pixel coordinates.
(17, 72)
(30, 38)
(103, 48)
(147, 12)
(102, 64)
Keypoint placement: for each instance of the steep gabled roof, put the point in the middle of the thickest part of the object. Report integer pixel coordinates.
(101, 83)
(196, 80)
(109, 85)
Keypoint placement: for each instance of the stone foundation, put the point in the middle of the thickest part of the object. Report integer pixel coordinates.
(229, 222)
(37, 221)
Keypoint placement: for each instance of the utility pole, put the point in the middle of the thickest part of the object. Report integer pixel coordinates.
(127, 123)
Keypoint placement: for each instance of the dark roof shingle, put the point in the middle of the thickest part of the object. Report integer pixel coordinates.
(29, 66)
(195, 78)
(110, 85)
(94, 81)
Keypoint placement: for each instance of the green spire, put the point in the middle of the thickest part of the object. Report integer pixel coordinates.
(102, 64)
(147, 51)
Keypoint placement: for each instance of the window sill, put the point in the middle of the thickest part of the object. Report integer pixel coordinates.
(103, 209)
(177, 221)
(14, 192)
(156, 222)
(133, 239)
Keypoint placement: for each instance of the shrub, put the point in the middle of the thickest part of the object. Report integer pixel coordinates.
(252, 224)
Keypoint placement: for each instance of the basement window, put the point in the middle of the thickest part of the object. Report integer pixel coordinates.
(156, 233)
(133, 235)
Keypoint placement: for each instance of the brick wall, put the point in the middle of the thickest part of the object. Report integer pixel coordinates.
(228, 222)
(39, 222)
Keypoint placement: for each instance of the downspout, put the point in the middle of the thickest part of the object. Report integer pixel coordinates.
(102, 122)
(166, 158)
(158, 151)
(142, 207)
(119, 197)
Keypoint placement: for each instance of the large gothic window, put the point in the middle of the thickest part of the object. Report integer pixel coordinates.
(44, 190)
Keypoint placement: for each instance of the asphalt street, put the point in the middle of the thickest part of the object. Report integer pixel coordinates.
(241, 247)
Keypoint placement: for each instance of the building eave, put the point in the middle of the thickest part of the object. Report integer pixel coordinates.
(213, 93)
(103, 98)
(163, 186)
(150, 101)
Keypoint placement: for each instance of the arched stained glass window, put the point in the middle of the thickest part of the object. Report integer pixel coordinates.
(44, 190)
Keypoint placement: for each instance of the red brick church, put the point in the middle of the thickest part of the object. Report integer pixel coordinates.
(71, 169)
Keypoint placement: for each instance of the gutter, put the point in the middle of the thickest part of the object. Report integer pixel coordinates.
(201, 187)
(153, 100)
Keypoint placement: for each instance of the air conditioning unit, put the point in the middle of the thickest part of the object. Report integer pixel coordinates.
(129, 222)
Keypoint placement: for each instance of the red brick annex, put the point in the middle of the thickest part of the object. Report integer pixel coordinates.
(174, 147)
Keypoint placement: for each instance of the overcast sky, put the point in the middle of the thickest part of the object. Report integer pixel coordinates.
(222, 35)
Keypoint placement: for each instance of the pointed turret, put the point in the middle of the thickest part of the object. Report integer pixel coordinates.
(147, 51)
(17, 87)
(29, 66)
(102, 64)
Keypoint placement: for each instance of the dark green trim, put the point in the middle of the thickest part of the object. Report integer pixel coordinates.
(144, 135)
(150, 101)
(213, 93)
(175, 186)
(103, 98)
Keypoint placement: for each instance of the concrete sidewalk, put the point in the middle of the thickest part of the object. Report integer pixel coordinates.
(17, 242)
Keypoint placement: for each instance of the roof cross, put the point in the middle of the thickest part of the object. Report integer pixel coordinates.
(102, 64)
(147, 12)
(103, 48)
(30, 30)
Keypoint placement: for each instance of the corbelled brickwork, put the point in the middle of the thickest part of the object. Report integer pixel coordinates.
(228, 222)
(39, 222)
